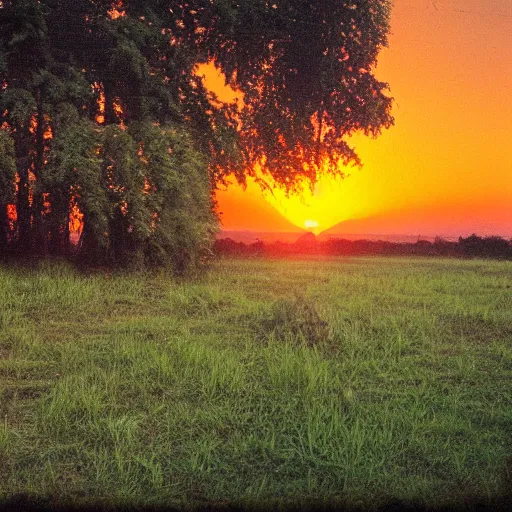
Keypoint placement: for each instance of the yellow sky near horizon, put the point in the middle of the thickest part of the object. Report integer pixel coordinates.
(449, 66)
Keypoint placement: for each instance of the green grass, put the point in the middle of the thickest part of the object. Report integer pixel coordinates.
(354, 381)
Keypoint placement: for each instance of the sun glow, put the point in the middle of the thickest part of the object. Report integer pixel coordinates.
(331, 201)
(310, 224)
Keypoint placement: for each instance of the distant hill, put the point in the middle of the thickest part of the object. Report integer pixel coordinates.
(396, 238)
(307, 239)
(399, 226)
(249, 214)
(408, 226)
(249, 237)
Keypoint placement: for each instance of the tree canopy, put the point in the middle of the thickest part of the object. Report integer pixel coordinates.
(106, 129)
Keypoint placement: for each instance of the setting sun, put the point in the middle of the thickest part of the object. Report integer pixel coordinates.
(311, 224)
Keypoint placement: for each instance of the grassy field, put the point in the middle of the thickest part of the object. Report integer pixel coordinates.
(353, 381)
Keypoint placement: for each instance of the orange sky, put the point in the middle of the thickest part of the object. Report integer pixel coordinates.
(449, 156)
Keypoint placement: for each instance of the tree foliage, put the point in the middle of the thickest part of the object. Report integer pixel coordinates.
(109, 136)
(307, 73)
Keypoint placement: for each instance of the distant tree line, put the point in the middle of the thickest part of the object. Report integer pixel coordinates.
(474, 246)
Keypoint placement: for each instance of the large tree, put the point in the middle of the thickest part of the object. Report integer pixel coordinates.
(105, 122)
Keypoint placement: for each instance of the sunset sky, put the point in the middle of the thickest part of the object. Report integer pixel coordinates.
(446, 166)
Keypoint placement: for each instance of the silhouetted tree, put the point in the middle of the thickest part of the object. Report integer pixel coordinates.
(485, 247)
(108, 125)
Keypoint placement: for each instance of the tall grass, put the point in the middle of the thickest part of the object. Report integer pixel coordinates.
(351, 381)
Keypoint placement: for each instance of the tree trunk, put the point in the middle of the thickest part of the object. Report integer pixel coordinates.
(4, 229)
(89, 249)
(110, 114)
(22, 141)
(40, 237)
(65, 235)
(58, 223)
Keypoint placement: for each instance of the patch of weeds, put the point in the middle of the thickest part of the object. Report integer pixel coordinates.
(291, 319)
(10, 318)
(197, 301)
